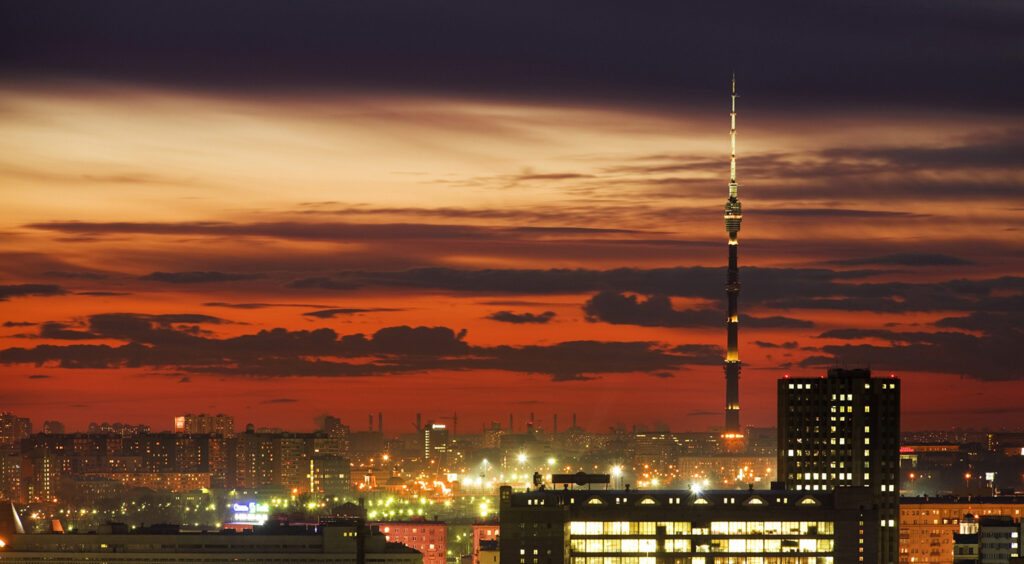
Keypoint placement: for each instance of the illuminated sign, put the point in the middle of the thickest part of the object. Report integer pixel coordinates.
(251, 512)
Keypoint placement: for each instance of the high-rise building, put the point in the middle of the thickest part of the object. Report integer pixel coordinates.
(733, 216)
(843, 430)
(435, 443)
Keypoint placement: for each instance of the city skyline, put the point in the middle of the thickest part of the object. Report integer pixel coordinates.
(347, 210)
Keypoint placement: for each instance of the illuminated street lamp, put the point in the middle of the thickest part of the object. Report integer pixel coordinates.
(617, 473)
(521, 458)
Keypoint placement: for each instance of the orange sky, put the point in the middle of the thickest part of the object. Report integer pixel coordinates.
(259, 211)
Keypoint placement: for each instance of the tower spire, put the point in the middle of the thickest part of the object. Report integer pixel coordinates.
(733, 216)
(732, 140)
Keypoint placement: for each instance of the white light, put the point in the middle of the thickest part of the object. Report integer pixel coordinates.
(616, 471)
(521, 458)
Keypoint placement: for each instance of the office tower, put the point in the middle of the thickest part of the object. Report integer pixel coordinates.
(435, 444)
(843, 430)
(733, 216)
(580, 526)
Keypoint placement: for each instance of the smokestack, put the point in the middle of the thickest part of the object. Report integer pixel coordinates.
(455, 424)
(511, 427)
(419, 426)
(370, 416)
(574, 420)
(554, 430)
(532, 419)
(380, 421)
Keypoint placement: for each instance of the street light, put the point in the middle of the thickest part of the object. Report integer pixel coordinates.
(617, 472)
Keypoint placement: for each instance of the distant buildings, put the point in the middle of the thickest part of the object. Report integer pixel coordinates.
(843, 430)
(13, 429)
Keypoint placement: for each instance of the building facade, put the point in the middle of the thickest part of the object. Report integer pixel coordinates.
(843, 430)
(428, 537)
(928, 523)
(687, 527)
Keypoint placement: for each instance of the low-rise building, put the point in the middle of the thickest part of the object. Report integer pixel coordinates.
(688, 527)
(337, 542)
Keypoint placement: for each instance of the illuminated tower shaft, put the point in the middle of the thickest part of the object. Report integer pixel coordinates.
(733, 215)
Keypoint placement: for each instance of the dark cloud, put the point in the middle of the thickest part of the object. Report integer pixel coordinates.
(657, 311)
(199, 277)
(132, 327)
(706, 355)
(184, 380)
(75, 275)
(906, 259)
(780, 288)
(53, 330)
(103, 293)
(331, 313)
(697, 281)
(38, 376)
(18, 323)
(19, 290)
(280, 400)
(785, 345)
(932, 55)
(152, 342)
(509, 317)
(995, 354)
(259, 305)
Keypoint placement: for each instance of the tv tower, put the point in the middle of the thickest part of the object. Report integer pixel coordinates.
(733, 215)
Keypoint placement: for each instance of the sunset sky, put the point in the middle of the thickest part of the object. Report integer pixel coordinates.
(280, 210)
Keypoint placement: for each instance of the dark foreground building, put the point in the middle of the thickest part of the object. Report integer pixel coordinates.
(843, 430)
(688, 527)
(340, 541)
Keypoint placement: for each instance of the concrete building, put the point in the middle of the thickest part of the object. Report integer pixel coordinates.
(203, 424)
(987, 540)
(428, 537)
(687, 527)
(843, 430)
(928, 523)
